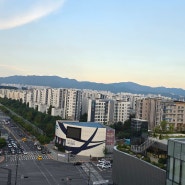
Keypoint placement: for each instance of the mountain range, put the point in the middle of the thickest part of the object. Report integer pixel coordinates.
(59, 82)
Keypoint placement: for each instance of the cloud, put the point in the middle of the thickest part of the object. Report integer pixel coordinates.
(38, 10)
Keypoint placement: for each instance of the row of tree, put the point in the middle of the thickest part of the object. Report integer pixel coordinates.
(43, 121)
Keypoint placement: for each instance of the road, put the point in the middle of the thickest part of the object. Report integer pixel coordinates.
(20, 169)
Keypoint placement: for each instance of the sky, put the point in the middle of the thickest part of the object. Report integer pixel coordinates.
(105, 41)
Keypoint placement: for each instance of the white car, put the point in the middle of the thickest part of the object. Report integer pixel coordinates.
(99, 164)
(105, 163)
(39, 147)
(102, 160)
(106, 166)
(25, 153)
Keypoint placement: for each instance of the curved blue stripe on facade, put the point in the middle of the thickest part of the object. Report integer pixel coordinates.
(84, 146)
(72, 149)
(64, 130)
(80, 140)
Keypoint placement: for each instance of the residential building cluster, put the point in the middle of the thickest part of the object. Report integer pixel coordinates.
(101, 106)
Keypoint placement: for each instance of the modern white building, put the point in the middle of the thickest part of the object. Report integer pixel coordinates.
(84, 138)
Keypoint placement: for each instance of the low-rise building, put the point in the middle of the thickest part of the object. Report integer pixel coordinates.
(84, 138)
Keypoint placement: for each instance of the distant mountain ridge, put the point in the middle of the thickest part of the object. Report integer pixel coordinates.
(59, 82)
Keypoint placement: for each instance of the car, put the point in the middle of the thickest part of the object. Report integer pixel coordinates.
(39, 147)
(103, 163)
(106, 166)
(24, 152)
(43, 152)
(9, 146)
(39, 157)
(102, 160)
(99, 164)
(77, 163)
(24, 139)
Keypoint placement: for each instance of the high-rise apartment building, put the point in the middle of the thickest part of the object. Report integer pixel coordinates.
(149, 109)
(121, 111)
(101, 110)
(72, 106)
(174, 113)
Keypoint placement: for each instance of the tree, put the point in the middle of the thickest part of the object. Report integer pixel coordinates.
(83, 118)
(157, 129)
(105, 151)
(163, 125)
(2, 142)
(171, 127)
(49, 110)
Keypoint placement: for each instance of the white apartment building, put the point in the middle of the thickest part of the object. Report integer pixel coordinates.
(121, 111)
(22, 96)
(90, 94)
(29, 96)
(101, 110)
(72, 104)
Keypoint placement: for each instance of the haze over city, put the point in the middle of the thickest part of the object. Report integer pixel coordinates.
(100, 41)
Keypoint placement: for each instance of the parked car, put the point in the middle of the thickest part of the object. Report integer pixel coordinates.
(103, 163)
(102, 160)
(106, 166)
(77, 163)
(99, 164)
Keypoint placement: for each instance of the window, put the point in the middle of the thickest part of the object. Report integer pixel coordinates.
(177, 171)
(171, 169)
(73, 132)
(182, 174)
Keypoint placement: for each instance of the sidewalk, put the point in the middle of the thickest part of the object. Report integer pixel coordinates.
(66, 157)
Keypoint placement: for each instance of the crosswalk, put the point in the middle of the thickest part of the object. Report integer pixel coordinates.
(28, 156)
(91, 172)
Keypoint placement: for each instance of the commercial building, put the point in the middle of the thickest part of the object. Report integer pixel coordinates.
(84, 138)
(139, 131)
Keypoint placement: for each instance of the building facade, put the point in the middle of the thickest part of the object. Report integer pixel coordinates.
(121, 111)
(83, 138)
(139, 131)
(176, 162)
(101, 110)
(130, 170)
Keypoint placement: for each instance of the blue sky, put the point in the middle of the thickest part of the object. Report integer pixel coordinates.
(95, 40)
